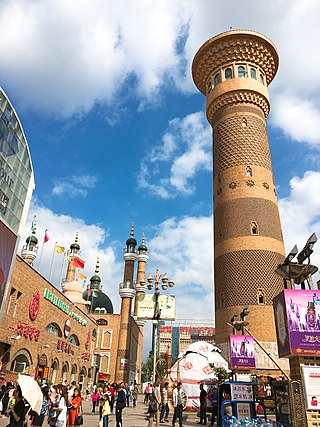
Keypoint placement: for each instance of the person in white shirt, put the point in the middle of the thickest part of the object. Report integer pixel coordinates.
(63, 405)
(177, 404)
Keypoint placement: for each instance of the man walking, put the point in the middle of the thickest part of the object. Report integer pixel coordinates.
(177, 404)
(164, 404)
(203, 401)
(120, 404)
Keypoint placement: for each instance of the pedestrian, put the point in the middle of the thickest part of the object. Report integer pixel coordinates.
(74, 407)
(128, 394)
(177, 404)
(203, 401)
(147, 394)
(37, 419)
(106, 410)
(120, 404)
(154, 405)
(112, 390)
(61, 409)
(101, 401)
(17, 408)
(95, 400)
(135, 392)
(71, 390)
(164, 404)
(214, 402)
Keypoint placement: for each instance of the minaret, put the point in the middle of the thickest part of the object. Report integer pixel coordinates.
(126, 292)
(143, 257)
(30, 250)
(95, 281)
(74, 251)
(233, 70)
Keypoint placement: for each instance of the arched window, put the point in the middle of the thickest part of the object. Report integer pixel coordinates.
(244, 122)
(253, 73)
(254, 228)
(249, 171)
(54, 329)
(209, 87)
(73, 339)
(217, 79)
(261, 79)
(100, 310)
(261, 297)
(228, 73)
(241, 71)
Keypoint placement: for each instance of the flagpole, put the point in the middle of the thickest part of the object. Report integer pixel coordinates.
(61, 271)
(40, 259)
(51, 266)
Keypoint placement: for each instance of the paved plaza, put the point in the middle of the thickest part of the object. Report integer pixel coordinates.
(132, 417)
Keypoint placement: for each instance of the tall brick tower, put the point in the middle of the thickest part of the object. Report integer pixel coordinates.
(127, 293)
(233, 70)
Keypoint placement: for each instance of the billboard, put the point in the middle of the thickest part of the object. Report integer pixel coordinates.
(8, 241)
(146, 306)
(16, 173)
(311, 377)
(241, 352)
(297, 317)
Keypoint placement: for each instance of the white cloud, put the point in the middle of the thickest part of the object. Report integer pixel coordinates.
(300, 212)
(185, 149)
(74, 185)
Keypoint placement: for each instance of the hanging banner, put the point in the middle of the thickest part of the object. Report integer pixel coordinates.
(241, 352)
(297, 316)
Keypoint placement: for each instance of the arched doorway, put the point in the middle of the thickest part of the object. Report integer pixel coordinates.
(82, 377)
(53, 372)
(73, 373)
(65, 371)
(21, 361)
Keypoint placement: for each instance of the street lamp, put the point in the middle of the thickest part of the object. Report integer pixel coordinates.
(156, 281)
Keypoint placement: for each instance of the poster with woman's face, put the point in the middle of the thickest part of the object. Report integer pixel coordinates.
(7, 252)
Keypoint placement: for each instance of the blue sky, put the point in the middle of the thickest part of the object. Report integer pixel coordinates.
(118, 134)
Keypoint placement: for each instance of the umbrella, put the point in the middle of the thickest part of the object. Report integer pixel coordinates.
(31, 392)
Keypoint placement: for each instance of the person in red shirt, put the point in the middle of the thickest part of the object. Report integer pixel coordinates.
(74, 407)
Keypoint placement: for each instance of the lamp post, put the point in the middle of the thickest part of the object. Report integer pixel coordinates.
(165, 283)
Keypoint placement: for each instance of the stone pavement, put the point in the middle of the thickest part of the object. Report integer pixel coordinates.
(132, 417)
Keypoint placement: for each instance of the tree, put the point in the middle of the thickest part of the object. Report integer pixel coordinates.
(221, 374)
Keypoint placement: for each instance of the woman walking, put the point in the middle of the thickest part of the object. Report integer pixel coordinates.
(37, 419)
(74, 407)
(62, 407)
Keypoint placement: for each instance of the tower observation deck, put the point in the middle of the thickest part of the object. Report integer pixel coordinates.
(233, 71)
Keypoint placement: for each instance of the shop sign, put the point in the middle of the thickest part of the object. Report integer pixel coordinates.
(87, 340)
(166, 303)
(45, 373)
(241, 352)
(103, 376)
(85, 356)
(124, 364)
(297, 316)
(34, 305)
(42, 360)
(63, 306)
(8, 376)
(65, 347)
(241, 392)
(28, 331)
(67, 328)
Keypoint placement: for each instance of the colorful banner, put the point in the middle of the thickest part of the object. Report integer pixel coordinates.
(297, 316)
(8, 241)
(166, 303)
(311, 377)
(241, 350)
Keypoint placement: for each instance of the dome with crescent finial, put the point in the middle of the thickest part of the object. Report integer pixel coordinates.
(75, 247)
(143, 247)
(131, 241)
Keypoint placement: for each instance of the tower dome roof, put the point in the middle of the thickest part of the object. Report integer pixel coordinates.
(73, 290)
(32, 239)
(101, 300)
(95, 280)
(143, 246)
(75, 247)
(131, 241)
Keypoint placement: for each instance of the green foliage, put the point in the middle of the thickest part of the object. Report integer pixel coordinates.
(147, 368)
(221, 374)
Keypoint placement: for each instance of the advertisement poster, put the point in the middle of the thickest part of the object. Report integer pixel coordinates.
(124, 364)
(241, 349)
(8, 242)
(297, 315)
(166, 303)
(243, 410)
(311, 377)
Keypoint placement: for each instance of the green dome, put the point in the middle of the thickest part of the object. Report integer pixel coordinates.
(95, 279)
(75, 247)
(142, 248)
(32, 239)
(100, 301)
(131, 242)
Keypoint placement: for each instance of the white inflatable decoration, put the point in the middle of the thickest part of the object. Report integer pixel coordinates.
(194, 366)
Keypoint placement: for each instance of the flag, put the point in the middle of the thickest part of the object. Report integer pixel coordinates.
(81, 276)
(89, 292)
(77, 262)
(46, 236)
(95, 294)
(60, 249)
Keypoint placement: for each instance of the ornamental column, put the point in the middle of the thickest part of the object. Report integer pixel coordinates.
(30, 250)
(127, 293)
(143, 257)
(74, 251)
(233, 70)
